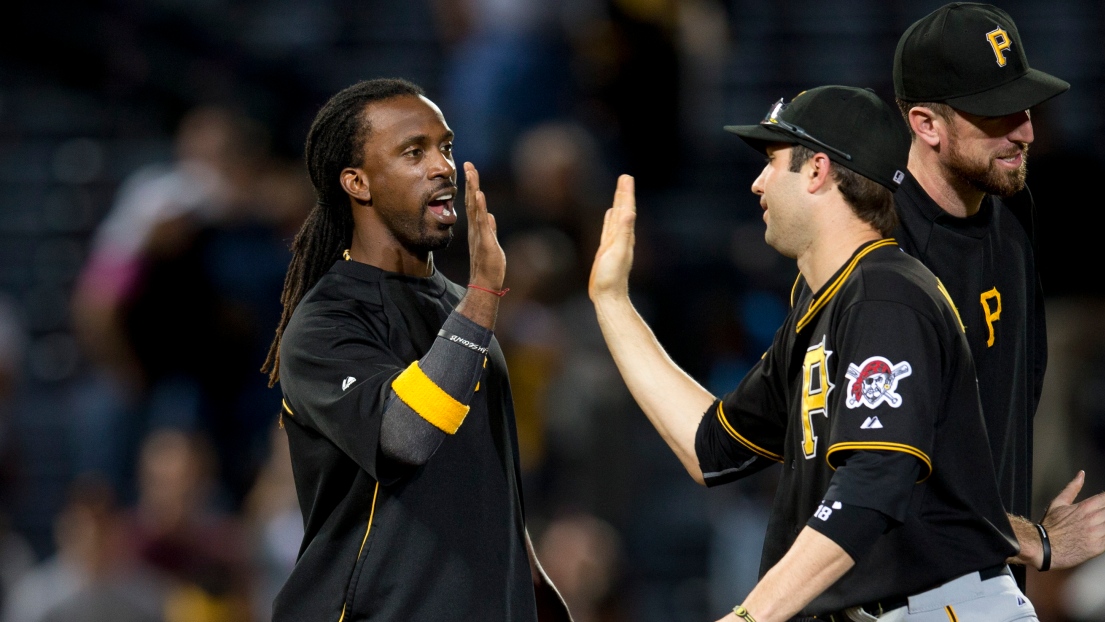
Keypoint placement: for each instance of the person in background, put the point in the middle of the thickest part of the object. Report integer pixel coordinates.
(965, 88)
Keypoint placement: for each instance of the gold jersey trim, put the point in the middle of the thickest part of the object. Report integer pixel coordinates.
(368, 530)
(285, 409)
(882, 446)
(756, 449)
(794, 290)
(819, 303)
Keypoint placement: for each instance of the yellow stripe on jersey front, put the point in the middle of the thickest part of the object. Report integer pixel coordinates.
(430, 401)
(881, 446)
(368, 530)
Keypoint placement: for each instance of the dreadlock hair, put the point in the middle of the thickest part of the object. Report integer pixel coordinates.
(335, 141)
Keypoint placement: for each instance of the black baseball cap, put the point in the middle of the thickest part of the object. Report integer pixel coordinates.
(969, 56)
(853, 126)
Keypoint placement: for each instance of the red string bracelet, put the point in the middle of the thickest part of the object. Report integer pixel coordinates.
(500, 293)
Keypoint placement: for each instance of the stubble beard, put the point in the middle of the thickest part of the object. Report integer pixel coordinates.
(985, 175)
(417, 236)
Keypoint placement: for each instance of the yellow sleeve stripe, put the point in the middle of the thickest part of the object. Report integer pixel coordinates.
(913, 451)
(760, 451)
(287, 408)
(427, 399)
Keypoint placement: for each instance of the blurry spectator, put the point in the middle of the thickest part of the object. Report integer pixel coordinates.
(548, 231)
(582, 555)
(627, 56)
(16, 553)
(176, 528)
(213, 156)
(91, 577)
(506, 68)
(559, 174)
(582, 438)
(243, 257)
(16, 559)
(1082, 595)
(179, 295)
(275, 525)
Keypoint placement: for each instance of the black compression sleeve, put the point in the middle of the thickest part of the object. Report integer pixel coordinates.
(454, 363)
(853, 527)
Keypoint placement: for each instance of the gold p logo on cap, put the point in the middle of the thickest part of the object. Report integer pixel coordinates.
(999, 40)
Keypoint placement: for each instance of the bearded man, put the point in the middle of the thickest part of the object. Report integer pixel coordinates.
(965, 89)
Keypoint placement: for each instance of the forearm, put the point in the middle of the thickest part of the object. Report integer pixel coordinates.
(1028, 537)
(453, 365)
(481, 307)
(813, 563)
(670, 398)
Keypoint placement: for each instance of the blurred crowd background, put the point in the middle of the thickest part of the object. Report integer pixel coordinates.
(151, 182)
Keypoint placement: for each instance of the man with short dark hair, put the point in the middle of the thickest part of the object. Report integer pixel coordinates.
(397, 406)
(887, 501)
(965, 89)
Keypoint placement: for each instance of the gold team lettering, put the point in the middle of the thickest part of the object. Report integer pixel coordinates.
(992, 313)
(999, 40)
(815, 394)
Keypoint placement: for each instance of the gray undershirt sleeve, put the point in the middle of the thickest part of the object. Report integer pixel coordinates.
(454, 363)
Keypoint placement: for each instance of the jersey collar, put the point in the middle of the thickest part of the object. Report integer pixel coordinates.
(827, 292)
(433, 284)
(911, 192)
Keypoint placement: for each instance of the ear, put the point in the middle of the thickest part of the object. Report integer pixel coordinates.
(927, 126)
(820, 168)
(355, 183)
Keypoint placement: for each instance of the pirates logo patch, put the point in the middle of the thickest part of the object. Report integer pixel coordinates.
(875, 381)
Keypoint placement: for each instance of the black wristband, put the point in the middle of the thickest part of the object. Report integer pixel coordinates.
(1045, 544)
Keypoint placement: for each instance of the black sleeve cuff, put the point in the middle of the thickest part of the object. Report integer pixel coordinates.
(877, 480)
(854, 528)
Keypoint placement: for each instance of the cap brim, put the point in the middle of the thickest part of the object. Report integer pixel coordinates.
(759, 136)
(1034, 87)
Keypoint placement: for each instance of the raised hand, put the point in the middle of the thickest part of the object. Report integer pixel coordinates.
(1076, 530)
(614, 258)
(487, 262)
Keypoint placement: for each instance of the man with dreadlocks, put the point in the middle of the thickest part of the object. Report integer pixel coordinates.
(396, 401)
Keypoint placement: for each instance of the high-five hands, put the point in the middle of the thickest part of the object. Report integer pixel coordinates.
(614, 258)
(487, 262)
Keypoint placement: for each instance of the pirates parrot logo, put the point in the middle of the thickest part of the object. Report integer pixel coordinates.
(874, 381)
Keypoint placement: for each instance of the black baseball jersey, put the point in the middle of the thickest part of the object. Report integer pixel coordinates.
(875, 361)
(444, 541)
(988, 265)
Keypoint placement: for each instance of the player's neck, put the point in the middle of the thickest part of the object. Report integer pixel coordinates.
(954, 195)
(386, 253)
(829, 253)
